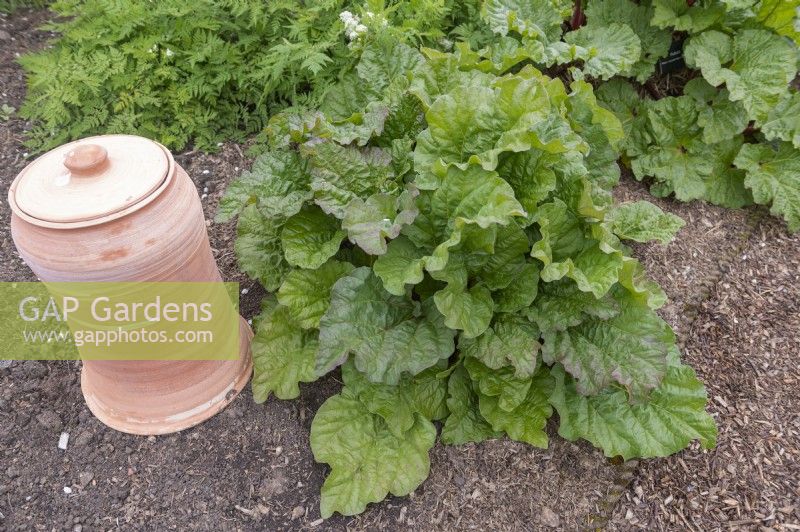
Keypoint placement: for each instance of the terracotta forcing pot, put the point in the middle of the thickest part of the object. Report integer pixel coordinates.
(118, 208)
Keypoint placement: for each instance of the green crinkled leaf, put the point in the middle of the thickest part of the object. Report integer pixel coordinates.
(385, 64)
(467, 309)
(361, 126)
(423, 394)
(774, 177)
(307, 293)
(673, 416)
(348, 98)
(606, 50)
(639, 286)
(505, 265)
(530, 174)
(381, 216)
(682, 162)
(258, 248)
(601, 129)
(685, 17)
(561, 305)
(502, 383)
(387, 334)
(655, 42)
(465, 423)
(510, 340)
(367, 460)
(535, 19)
(344, 173)
(526, 422)
(441, 74)
(402, 264)
(720, 118)
(642, 221)
(620, 98)
(283, 356)
(473, 196)
(756, 66)
(630, 349)
(476, 123)
(279, 184)
(783, 121)
(310, 238)
(731, 5)
(566, 252)
(519, 294)
(780, 16)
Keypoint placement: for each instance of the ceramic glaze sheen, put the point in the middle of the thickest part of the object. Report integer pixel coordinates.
(159, 236)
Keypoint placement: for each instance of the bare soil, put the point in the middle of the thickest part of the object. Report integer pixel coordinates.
(732, 278)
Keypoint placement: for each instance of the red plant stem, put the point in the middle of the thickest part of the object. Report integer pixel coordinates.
(578, 18)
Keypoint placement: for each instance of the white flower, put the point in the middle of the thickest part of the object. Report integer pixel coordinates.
(169, 53)
(361, 29)
(345, 16)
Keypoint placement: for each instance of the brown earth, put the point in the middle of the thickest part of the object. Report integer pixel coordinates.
(732, 278)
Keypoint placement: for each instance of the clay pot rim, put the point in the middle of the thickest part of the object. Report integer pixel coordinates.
(168, 178)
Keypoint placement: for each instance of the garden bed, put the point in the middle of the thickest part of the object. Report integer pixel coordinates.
(732, 279)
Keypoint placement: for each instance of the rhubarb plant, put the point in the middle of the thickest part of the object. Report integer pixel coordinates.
(730, 136)
(444, 235)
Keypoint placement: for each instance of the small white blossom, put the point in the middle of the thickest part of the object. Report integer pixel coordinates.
(352, 25)
(169, 53)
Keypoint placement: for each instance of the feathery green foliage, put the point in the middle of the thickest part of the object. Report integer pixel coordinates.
(10, 6)
(202, 72)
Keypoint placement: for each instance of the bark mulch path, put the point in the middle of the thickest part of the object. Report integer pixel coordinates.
(732, 278)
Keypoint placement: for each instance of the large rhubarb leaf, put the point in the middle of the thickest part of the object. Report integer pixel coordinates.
(423, 394)
(283, 356)
(783, 121)
(310, 238)
(388, 334)
(654, 41)
(367, 460)
(630, 349)
(467, 309)
(401, 265)
(561, 305)
(465, 423)
(672, 417)
(307, 293)
(774, 177)
(279, 183)
(511, 340)
(642, 221)
(381, 216)
(682, 162)
(756, 66)
(258, 248)
(604, 50)
(527, 420)
(684, 16)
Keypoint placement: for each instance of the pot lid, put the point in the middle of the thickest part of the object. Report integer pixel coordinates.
(90, 178)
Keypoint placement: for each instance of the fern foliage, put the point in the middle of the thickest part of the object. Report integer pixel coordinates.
(204, 71)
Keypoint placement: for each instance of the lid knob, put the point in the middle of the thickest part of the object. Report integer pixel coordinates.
(86, 159)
